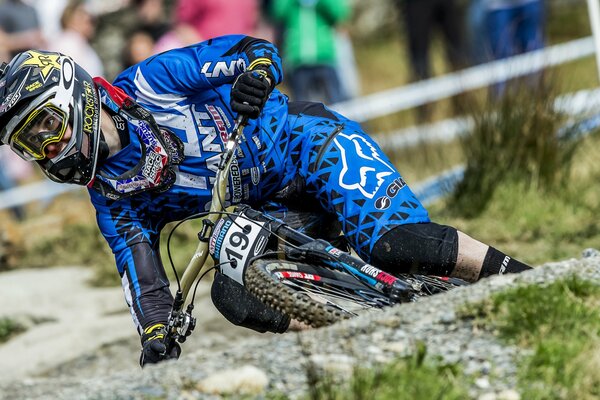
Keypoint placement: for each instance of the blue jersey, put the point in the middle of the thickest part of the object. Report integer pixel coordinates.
(187, 91)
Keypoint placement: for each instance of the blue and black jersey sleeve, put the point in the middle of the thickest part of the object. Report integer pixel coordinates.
(203, 66)
(135, 242)
(260, 54)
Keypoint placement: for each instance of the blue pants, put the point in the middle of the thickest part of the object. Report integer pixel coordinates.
(348, 174)
(516, 30)
(479, 50)
(513, 31)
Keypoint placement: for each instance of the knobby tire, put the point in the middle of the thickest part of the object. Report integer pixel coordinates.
(264, 279)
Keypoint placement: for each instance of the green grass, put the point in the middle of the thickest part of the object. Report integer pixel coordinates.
(414, 377)
(9, 328)
(538, 225)
(560, 324)
(514, 139)
(567, 21)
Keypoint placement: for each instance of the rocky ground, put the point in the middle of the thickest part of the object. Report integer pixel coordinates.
(226, 361)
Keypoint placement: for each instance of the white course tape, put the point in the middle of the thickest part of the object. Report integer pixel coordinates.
(438, 132)
(438, 186)
(423, 92)
(575, 104)
(41, 190)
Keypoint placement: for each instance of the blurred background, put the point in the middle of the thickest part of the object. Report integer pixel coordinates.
(488, 108)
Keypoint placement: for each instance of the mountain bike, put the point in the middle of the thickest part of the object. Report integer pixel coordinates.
(311, 280)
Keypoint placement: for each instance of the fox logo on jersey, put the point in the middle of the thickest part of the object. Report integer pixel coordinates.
(356, 150)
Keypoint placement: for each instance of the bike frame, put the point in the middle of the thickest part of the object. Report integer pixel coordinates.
(304, 248)
(198, 260)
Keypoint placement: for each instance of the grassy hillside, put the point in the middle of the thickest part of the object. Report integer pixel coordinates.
(562, 362)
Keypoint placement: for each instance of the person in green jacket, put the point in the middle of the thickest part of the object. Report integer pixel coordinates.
(309, 46)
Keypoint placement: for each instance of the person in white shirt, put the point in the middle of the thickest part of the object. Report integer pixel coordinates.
(78, 28)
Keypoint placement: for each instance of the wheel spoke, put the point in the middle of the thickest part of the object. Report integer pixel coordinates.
(320, 296)
(352, 302)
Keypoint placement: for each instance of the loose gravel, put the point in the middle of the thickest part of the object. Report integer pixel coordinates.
(280, 363)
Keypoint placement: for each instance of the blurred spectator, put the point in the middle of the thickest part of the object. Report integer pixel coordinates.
(276, 28)
(144, 40)
(19, 28)
(180, 35)
(514, 26)
(49, 13)
(77, 30)
(139, 46)
(477, 33)
(199, 20)
(309, 46)
(421, 17)
(211, 18)
(152, 17)
(114, 29)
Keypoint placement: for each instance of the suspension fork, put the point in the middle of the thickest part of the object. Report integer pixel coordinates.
(181, 323)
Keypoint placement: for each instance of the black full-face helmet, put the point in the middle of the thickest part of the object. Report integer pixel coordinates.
(42, 95)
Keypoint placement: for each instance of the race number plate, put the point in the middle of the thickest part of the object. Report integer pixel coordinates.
(235, 242)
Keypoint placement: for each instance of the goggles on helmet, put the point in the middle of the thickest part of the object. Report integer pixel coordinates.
(47, 97)
(43, 126)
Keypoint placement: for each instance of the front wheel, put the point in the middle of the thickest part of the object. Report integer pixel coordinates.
(314, 295)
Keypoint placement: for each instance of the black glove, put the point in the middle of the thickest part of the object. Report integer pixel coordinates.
(250, 92)
(154, 346)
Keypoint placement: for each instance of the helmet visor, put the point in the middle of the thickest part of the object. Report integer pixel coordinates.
(42, 127)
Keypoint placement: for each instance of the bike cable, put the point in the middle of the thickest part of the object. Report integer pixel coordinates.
(177, 225)
(199, 279)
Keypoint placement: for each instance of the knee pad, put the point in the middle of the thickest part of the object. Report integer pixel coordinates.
(242, 308)
(427, 248)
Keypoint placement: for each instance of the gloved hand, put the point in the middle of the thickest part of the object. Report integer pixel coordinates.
(250, 92)
(154, 348)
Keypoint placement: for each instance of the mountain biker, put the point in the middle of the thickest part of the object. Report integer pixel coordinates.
(147, 147)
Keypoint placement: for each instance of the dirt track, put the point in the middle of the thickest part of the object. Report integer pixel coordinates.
(83, 323)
